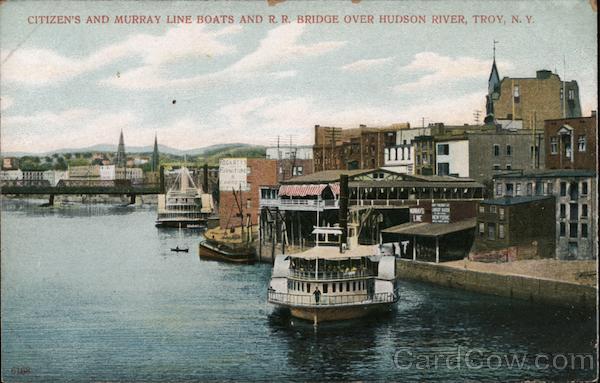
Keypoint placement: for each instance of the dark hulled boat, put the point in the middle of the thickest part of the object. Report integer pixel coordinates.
(220, 251)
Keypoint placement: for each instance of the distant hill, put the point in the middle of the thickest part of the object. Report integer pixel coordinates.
(211, 150)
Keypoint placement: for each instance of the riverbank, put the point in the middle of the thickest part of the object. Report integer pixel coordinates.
(561, 283)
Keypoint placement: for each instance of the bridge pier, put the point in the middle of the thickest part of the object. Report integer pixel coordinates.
(51, 200)
(132, 199)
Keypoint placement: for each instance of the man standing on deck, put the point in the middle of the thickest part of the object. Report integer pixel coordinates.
(317, 294)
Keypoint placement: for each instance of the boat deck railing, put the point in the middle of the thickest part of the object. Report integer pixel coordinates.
(330, 275)
(330, 300)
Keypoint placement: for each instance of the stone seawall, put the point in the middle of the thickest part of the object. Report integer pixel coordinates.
(512, 286)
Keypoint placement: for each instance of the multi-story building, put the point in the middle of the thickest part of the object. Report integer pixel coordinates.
(401, 157)
(348, 149)
(283, 152)
(571, 143)
(10, 163)
(424, 155)
(452, 156)
(532, 99)
(576, 205)
(239, 186)
(84, 171)
(11, 175)
(506, 232)
(494, 151)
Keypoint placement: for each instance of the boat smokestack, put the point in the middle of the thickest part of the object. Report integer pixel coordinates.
(343, 211)
(205, 179)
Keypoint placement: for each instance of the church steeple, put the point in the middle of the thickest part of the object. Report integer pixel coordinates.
(121, 159)
(155, 157)
(493, 85)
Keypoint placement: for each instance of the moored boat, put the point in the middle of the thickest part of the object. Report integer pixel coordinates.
(326, 284)
(228, 252)
(185, 204)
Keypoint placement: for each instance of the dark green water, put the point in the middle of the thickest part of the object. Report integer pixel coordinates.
(92, 293)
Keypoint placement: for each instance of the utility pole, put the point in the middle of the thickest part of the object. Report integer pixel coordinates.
(476, 116)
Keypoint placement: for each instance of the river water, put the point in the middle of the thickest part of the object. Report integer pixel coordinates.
(93, 293)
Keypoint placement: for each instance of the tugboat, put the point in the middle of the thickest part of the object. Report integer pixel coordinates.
(184, 204)
(329, 283)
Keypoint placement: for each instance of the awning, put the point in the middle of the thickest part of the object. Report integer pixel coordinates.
(301, 190)
(335, 188)
(425, 229)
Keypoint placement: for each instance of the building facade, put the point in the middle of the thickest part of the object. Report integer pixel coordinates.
(452, 157)
(533, 99)
(571, 143)
(505, 231)
(239, 185)
(576, 207)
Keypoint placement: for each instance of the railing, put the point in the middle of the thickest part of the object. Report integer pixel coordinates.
(300, 203)
(330, 300)
(330, 275)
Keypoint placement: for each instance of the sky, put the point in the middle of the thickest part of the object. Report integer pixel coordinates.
(77, 85)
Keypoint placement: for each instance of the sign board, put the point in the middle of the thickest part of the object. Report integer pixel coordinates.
(416, 214)
(233, 174)
(440, 213)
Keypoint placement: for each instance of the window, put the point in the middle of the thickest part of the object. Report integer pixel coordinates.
(501, 212)
(481, 228)
(308, 287)
(347, 286)
(498, 189)
(581, 143)
(491, 231)
(496, 167)
(516, 94)
(482, 209)
(443, 169)
(509, 190)
(584, 230)
(584, 188)
(554, 145)
(443, 149)
(353, 286)
(563, 189)
(333, 286)
(298, 170)
(584, 211)
(563, 210)
(573, 230)
(518, 189)
(529, 188)
(562, 229)
(501, 231)
(325, 287)
(561, 93)
(496, 150)
(508, 166)
(571, 94)
(493, 209)
(508, 150)
(550, 188)
(573, 211)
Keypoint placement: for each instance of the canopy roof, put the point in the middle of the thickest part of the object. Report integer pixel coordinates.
(307, 190)
(333, 252)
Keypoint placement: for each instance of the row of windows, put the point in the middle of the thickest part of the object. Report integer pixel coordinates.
(573, 211)
(391, 154)
(491, 231)
(541, 188)
(581, 145)
(492, 209)
(326, 287)
(497, 150)
(573, 230)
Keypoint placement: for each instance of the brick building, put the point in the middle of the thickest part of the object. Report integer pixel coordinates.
(247, 175)
(505, 230)
(571, 143)
(576, 205)
(347, 149)
(532, 99)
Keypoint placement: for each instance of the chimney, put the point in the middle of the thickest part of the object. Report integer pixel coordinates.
(343, 212)
(205, 179)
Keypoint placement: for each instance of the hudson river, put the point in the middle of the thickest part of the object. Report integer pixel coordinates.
(93, 293)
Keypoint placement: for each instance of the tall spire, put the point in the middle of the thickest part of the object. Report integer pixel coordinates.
(493, 84)
(121, 158)
(155, 158)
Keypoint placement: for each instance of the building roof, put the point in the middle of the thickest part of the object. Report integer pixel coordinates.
(414, 184)
(548, 173)
(325, 176)
(426, 229)
(333, 252)
(507, 201)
